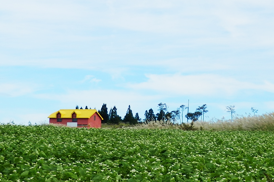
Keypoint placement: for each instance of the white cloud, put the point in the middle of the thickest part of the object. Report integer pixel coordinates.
(98, 96)
(17, 89)
(269, 105)
(48, 63)
(91, 78)
(153, 16)
(189, 64)
(50, 10)
(206, 84)
(95, 98)
(95, 80)
(32, 25)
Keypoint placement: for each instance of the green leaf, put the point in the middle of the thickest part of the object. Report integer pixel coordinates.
(42, 154)
(59, 168)
(248, 178)
(25, 173)
(71, 175)
(2, 158)
(97, 178)
(82, 172)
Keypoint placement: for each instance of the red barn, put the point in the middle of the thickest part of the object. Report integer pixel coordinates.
(88, 118)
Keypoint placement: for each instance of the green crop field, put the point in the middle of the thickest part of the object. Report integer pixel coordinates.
(50, 153)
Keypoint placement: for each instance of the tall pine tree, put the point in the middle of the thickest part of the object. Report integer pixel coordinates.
(138, 119)
(114, 118)
(104, 113)
(129, 117)
(146, 116)
(151, 115)
(161, 115)
(163, 112)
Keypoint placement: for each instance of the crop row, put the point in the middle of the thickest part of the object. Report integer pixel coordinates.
(48, 153)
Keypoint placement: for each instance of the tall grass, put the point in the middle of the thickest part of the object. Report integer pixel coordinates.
(263, 122)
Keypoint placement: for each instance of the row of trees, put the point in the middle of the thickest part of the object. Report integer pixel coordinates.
(163, 115)
(114, 118)
(231, 109)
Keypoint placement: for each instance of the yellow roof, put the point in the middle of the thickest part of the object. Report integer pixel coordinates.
(80, 113)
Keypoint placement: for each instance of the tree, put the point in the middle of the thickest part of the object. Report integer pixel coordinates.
(162, 109)
(129, 117)
(193, 116)
(161, 116)
(137, 117)
(86, 107)
(77, 107)
(146, 116)
(151, 115)
(168, 116)
(162, 106)
(81, 108)
(110, 114)
(231, 109)
(114, 117)
(104, 113)
(202, 109)
(175, 114)
(254, 110)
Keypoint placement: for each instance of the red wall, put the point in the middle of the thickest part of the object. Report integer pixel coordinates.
(95, 123)
(88, 121)
(64, 121)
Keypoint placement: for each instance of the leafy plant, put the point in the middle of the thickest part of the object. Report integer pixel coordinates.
(50, 153)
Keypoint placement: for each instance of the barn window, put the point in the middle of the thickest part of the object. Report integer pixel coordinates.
(74, 119)
(94, 117)
(59, 119)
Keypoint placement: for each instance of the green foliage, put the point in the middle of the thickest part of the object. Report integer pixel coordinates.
(49, 153)
(146, 116)
(161, 115)
(114, 118)
(104, 113)
(138, 119)
(173, 115)
(150, 115)
(129, 117)
(202, 109)
(193, 116)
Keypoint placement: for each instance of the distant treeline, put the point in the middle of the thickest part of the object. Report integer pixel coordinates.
(112, 117)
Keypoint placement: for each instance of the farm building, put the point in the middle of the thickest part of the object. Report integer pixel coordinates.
(88, 118)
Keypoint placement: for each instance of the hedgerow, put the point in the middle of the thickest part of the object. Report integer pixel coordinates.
(50, 153)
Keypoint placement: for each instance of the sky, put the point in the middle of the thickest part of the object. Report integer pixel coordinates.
(62, 53)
